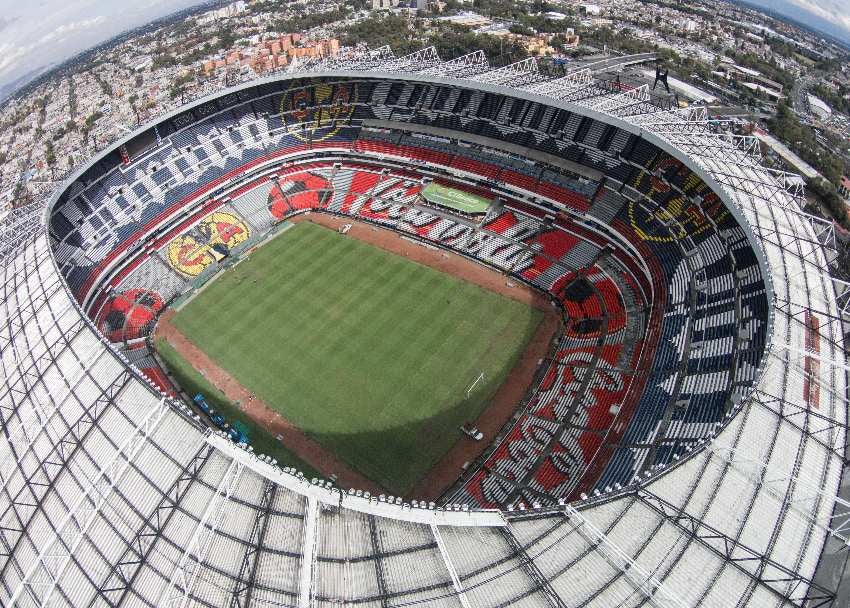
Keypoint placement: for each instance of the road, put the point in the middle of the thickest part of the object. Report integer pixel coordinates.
(606, 64)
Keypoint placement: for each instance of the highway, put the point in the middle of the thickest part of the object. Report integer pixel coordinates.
(613, 62)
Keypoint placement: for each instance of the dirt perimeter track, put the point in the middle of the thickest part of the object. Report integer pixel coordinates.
(449, 467)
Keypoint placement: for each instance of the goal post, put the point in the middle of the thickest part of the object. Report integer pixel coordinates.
(474, 383)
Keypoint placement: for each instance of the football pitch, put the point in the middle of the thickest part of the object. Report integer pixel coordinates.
(368, 353)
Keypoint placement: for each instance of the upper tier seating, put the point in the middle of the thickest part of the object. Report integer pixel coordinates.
(650, 358)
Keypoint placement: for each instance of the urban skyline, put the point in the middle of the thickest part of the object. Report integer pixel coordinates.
(37, 37)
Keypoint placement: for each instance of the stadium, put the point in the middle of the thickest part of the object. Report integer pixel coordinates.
(680, 441)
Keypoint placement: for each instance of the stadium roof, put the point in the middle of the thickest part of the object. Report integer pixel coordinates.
(112, 493)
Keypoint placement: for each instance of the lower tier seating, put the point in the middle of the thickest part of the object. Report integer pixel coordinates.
(597, 418)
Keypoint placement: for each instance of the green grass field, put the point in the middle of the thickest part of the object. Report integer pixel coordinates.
(455, 199)
(193, 383)
(367, 352)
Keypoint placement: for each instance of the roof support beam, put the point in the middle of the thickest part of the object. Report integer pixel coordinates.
(123, 574)
(530, 566)
(645, 582)
(770, 573)
(790, 411)
(441, 545)
(379, 564)
(182, 582)
(805, 353)
(241, 597)
(465, 65)
(414, 62)
(48, 567)
(516, 74)
(308, 555)
(28, 431)
(835, 525)
(623, 100)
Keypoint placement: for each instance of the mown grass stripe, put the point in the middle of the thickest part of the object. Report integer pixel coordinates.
(366, 351)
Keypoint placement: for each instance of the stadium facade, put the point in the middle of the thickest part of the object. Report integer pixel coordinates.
(721, 487)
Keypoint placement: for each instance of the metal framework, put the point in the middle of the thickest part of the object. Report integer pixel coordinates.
(834, 524)
(520, 73)
(248, 570)
(756, 564)
(562, 87)
(655, 592)
(464, 66)
(533, 570)
(111, 493)
(414, 62)
(50, 564)
(138, 549)
(185, 575)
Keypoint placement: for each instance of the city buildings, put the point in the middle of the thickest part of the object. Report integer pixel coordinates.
(844, 189)
(54, 125)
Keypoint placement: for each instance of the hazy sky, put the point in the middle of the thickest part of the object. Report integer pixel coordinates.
(831, 16)
(35, 33)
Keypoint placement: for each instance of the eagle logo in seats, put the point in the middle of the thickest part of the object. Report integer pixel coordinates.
(318, 109)
(129, 314)
(671, 214)
(209, 241)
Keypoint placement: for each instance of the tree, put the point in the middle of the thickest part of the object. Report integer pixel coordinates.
(308, 20)
(453, 42)
(226, 39)
(72, 98)
(178, 86)
(801, 139)
(49, 153)
(379, 30)
(163, 60)
(133, 99)
(89, 124)
(827, 193)
(522, 30)
(104, 86)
